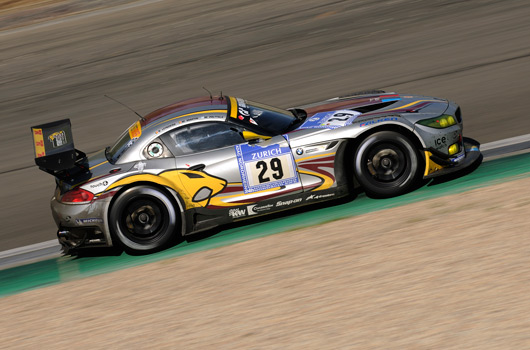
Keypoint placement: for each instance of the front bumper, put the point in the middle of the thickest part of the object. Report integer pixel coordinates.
(436, 166)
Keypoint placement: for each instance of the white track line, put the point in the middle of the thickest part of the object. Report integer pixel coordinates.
(28, 248)
(506, 142)
(52, 248)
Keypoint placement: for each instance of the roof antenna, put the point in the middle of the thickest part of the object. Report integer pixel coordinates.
(124, 105)
(221, 95)
(208, 91)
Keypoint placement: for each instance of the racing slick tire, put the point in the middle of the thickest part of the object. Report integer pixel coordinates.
(387, 164)
(143, 220)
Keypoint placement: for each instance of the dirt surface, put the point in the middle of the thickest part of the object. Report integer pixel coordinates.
(395, 279)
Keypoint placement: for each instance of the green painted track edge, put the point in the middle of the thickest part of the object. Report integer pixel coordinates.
(53, 271)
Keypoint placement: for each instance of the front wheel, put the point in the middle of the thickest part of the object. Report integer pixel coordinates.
(387, 164)
(143, 219)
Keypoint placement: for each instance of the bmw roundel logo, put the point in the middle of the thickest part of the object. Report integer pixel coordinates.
(299, 151)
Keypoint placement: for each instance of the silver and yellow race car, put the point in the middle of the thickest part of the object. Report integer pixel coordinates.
(200, 163)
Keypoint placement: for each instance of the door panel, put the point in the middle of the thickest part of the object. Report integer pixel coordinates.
(252, 172)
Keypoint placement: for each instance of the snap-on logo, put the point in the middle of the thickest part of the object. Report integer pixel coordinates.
(289, 202)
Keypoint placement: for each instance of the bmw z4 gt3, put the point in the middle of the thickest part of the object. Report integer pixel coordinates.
(204, 162)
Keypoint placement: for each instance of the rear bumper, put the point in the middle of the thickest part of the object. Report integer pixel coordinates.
(79, 237)
(82, 225)
(435, 166)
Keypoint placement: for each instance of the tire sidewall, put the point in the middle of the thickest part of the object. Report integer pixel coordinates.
(404, 183)
(162, 240)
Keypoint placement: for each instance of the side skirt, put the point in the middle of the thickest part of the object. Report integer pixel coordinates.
(201, 219)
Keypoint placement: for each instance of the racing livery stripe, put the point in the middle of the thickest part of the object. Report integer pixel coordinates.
(38, 140)
(216, 202)
(266, 196)
(219, 201)
(412, 104)
(233, 107)
(327, 178)
(390, 99)
(95, 166)
(315, 156)
(185, 115)
(187, 187)
(315, 168)
(233, 187)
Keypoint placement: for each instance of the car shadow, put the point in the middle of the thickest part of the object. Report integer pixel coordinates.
(94, 252)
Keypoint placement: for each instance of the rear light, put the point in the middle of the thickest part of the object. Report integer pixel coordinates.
(77, 195)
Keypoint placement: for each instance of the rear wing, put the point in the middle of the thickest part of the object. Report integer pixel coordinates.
(54, 147)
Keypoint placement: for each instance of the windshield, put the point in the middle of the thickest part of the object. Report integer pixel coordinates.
(274, 120)
(123, 143)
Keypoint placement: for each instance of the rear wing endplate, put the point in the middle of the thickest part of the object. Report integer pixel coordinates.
(54, 147)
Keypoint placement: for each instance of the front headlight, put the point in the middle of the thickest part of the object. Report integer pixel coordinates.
(441, 122)
(453, 149)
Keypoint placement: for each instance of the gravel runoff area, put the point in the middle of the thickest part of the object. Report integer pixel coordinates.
(394, 279)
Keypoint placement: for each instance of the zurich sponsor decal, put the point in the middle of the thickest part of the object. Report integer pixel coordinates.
(263, 168)
(330, 120)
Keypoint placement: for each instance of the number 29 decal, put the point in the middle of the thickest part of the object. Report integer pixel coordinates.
(330, 120)
(267, 167)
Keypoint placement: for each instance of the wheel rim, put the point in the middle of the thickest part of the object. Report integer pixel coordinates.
(144, 219)
(386, 163)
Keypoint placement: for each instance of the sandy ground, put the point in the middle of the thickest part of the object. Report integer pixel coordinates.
(457, 279)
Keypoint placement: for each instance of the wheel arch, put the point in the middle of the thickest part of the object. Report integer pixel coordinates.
(172, 194)
(354, 143)
(399, 128)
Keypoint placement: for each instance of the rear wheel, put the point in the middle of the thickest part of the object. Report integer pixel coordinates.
(143, 219)
(387, 164)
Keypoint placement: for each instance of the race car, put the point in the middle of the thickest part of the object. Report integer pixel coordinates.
(204, 162)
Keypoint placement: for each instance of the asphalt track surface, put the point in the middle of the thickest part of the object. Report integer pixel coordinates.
(476, 53)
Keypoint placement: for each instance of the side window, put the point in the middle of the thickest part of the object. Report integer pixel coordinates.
(201, 137)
